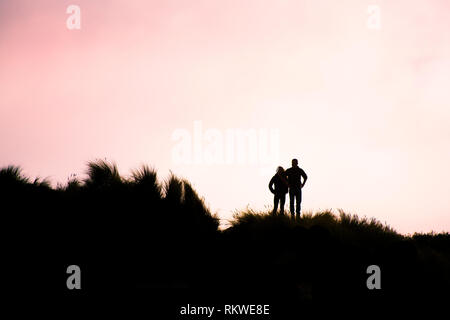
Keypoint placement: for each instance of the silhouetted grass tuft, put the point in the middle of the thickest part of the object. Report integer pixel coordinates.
(344, 225)
(12, 175)
(146, 179)
(102, 174)
(173, 190)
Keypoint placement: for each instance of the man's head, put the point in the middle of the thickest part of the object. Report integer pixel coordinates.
(294, 162)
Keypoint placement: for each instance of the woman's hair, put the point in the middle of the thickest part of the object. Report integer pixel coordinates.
(280, 169)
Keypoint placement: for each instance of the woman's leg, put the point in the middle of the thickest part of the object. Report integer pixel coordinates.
(282, 202)
(276, 199)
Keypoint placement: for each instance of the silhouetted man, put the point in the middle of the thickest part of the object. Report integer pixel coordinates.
(280, 190)
(294, 175)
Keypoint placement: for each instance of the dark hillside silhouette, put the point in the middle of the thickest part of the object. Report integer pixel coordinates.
(142, 240)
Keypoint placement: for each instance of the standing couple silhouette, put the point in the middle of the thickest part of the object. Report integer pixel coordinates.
(284, 181)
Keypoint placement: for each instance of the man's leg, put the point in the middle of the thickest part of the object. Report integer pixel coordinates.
(291, 202)
(299, 201)
(282, 202)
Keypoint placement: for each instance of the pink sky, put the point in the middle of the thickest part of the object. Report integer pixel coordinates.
(365, 111)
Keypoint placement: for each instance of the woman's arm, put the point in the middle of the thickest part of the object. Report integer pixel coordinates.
(272, 181)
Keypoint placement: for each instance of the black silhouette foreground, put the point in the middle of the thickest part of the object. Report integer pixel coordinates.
(154, 248)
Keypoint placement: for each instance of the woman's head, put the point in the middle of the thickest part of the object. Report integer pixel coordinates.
(280, 170)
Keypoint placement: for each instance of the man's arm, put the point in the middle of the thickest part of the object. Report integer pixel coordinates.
(305, 177)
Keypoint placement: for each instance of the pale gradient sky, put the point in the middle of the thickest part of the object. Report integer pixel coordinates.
(365, 111)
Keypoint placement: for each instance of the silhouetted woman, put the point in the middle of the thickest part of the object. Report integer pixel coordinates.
(278, 185)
